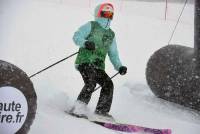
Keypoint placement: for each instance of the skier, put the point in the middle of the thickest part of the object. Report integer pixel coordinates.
(95, 40)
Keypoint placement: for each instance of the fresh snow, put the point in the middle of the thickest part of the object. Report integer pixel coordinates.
(37, 33)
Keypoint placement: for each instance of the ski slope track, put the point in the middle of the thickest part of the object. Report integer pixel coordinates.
(35, 34)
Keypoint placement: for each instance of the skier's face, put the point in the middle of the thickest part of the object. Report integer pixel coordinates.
(106, 11)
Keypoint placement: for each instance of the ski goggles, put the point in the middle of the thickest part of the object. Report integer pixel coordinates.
(107, 14)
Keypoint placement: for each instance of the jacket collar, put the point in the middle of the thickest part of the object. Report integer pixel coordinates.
(103, 22)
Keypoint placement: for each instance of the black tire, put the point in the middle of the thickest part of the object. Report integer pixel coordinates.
(173, 75)
(12, 76)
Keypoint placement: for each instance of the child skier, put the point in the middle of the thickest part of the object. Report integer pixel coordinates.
(95, 40)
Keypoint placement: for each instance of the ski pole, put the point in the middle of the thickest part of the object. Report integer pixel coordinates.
(53, 65)
(111, 78)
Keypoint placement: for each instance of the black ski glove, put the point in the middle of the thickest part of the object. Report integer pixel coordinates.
(122, 70)
(89, 45)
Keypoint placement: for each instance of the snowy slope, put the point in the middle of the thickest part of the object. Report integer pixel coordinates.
(35, 34)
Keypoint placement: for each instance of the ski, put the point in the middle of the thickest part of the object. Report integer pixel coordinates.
(127, 128)
(132, 128)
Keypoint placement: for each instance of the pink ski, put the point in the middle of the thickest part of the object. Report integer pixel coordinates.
(133, 128)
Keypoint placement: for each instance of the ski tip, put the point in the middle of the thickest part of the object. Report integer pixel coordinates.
(168, 131)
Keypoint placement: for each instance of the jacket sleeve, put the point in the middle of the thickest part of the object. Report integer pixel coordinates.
(114, 56)
(81, 34)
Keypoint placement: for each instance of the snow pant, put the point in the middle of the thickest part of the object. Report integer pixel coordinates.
(91, 77)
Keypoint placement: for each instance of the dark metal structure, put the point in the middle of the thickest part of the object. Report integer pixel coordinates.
(173, 72)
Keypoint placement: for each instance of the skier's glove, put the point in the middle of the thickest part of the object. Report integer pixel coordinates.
(89, 45)
(122, 70)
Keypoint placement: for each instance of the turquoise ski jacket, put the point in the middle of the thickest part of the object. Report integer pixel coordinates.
(83, 32)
